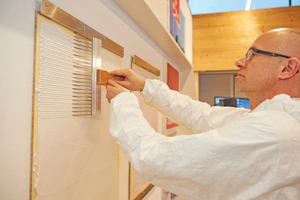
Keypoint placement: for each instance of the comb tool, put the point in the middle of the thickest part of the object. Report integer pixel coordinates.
(68, 82)
(89, 104)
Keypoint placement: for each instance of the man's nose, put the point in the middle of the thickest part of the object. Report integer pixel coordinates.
(241, 63)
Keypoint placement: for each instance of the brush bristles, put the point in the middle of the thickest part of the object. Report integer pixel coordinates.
(65, 74)
(82, 83)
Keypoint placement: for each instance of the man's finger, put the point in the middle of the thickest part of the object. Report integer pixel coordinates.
(112, 83)
(119, 72)
(122, 83)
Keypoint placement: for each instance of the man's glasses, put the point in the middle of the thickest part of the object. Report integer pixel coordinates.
(252, 51)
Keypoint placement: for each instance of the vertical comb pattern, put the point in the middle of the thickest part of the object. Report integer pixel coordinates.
(82, 85)
(65, 74)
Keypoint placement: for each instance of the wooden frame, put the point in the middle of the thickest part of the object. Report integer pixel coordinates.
(140, 62)
(56, 15)
(134, 177)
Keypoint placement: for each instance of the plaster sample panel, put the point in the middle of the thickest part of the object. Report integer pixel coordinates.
(77, 158)
(137, 183)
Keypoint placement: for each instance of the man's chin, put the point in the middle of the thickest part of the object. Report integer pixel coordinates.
(239, 88)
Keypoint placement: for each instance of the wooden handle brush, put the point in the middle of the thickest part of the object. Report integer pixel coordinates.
(103, 76)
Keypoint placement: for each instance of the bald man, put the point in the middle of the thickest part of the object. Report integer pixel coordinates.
(240, 154)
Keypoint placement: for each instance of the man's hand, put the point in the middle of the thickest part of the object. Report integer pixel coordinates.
(113, 89)
(132, 80)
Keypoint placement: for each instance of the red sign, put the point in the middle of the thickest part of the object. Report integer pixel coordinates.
(173, 83)
(176, 11)
(173, 78)
(170, 124)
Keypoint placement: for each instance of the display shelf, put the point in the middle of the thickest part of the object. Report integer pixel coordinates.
(142, 15)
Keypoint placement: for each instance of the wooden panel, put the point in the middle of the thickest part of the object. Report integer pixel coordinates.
(138, 186)
(140, 62)
(220, 39)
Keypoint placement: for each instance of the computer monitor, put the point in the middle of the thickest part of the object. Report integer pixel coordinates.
(234, 102)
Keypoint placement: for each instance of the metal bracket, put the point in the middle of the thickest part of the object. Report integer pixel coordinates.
(96, 90)
(58, 15)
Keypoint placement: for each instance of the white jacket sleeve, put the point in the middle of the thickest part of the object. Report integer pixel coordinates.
(237, 161)
(195, 115)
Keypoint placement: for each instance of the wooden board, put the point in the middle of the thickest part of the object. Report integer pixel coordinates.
(139, 187)
(220, 39)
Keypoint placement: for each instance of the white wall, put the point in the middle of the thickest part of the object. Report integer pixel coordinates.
(16, 66)
(160, 10)
(16, 74)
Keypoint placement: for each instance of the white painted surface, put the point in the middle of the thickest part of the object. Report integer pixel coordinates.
(160, 10)
(142, 15)
(78, 158)
(16, 72)
(16, 66)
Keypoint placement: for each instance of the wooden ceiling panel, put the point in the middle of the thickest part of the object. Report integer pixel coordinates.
(220, 39)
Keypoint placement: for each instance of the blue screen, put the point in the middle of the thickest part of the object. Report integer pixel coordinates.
(240, 102)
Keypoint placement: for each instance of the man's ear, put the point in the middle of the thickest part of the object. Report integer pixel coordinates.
(291, 67)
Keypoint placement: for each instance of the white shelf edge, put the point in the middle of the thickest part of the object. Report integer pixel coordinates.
(142, 15)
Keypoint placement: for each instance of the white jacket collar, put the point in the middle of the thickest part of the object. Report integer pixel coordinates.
(281, 102)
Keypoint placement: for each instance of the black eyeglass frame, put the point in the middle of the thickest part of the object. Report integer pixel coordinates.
(265, 53)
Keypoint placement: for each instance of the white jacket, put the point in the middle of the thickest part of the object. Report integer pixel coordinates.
(238, 155)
